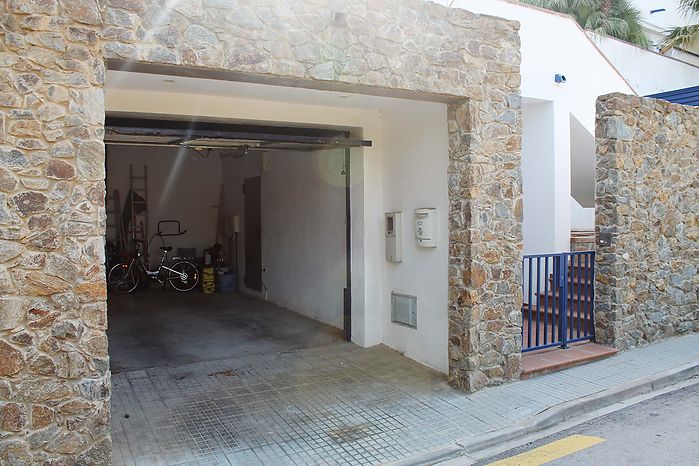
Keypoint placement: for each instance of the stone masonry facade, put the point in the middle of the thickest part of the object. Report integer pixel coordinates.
(647, 196)
(54, 367)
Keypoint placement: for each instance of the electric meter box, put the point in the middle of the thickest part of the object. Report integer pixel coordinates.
(426, 227)
(393, 230)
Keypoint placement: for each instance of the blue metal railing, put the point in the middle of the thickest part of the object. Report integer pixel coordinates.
(558, 292)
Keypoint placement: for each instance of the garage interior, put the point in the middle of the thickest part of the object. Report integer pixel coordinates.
(262, 206)
(404, 169)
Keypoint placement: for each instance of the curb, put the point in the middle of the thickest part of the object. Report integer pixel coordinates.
(556, 414)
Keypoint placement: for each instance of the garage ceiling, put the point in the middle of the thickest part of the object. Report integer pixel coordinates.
(212, 135)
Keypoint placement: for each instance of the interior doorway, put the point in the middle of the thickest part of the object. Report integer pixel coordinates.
(253, 233)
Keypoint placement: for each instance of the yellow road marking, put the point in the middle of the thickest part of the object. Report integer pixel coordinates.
(551, 451)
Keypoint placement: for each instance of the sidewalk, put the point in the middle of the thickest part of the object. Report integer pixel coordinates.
(342, 404)
(547, 400)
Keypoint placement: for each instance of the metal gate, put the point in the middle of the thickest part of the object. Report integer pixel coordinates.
(559, 296)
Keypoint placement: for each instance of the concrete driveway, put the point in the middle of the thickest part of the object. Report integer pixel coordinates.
(336, 404)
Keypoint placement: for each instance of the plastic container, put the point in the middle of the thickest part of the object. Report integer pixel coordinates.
(227, 283)
(208, 280)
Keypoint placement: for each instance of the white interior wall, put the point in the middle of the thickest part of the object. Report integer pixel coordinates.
(303, 215)
(303, 228)
(303, 233)
(395, 170)
(182, 185)
(138, 93)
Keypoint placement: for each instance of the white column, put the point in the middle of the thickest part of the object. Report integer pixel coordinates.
(561, 181)
(538, 164)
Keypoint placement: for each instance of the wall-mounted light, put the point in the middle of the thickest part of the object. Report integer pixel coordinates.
(560, 78)
(340, 18)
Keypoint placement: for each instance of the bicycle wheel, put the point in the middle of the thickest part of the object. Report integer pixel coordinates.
(184, 276)
(123, 278)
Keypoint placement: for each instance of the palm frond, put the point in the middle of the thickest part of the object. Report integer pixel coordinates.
(689, 7)
(681, 37)
(621, 19)
(554, 5)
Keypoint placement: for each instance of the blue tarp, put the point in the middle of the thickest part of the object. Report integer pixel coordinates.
(687, 96)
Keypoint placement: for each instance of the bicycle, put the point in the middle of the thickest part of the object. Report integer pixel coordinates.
(183, 275)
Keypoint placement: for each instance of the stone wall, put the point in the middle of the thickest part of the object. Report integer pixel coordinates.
(54, 374)
(485, 243)
(54, 368)
(647, 196)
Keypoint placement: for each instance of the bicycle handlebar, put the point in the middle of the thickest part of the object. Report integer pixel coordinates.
(160, 234)
(179, 228)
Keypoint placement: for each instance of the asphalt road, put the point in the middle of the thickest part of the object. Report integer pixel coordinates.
(660, 431)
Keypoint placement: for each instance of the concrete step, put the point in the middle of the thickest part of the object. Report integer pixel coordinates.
(586, 285)
(552, 318)
(573, 265)
(554, 359)
(547, 301)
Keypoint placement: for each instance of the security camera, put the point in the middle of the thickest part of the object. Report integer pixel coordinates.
(561, 79)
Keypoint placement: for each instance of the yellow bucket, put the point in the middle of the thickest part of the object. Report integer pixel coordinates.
(208, 280)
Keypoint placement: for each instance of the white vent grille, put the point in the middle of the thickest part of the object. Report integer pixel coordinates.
(404, 309)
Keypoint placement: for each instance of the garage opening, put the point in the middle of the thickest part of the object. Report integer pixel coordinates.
(225, 239)
(198, 375)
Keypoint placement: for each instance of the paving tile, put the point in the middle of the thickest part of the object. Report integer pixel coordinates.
(338, 404)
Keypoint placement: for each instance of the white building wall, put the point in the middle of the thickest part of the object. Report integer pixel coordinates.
(561, 173)
(656, 24)
(538, 165)
(582, 218)
(661, 20)
(691, 58)
(415, 161)
(582, 163)
(551, 44)
(554, 43)
(648, 72)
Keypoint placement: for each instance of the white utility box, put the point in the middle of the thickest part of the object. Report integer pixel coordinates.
(393, 230)
(426, 227)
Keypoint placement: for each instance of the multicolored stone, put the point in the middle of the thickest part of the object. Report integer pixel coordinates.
(53, 56)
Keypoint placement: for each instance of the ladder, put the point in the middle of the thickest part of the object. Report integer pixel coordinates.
(138, 208)
(114, 219)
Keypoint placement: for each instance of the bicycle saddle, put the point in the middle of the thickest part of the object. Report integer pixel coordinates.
(166, 248)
